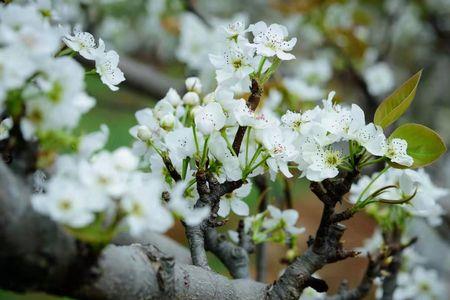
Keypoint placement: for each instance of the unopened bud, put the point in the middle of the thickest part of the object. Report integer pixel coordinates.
(191, 98)
(173, 98)
(144, 133)
(193, 84)
(167, 122)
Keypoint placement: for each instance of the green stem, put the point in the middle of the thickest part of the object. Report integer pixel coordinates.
(371, 162)
(197, 147)
(205, 152)
(229, 145)
(247, 142)
(260, 66)
(371, 183)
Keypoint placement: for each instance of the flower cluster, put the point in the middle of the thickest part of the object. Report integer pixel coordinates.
(107, 187)
(414, 281)
(106, 62)
(272, 225)
(410, 186)
(40, 87)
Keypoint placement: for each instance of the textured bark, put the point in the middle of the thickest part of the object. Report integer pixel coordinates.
(165, 245)
(325, 248)
(392, 238)
(37, 254)
(235, 258)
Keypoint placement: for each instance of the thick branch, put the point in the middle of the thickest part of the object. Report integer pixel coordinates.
(325, 248)
(37, 254)
(235, 258)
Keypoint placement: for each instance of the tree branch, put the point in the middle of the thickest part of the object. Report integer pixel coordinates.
(37, 254)
(325, 248)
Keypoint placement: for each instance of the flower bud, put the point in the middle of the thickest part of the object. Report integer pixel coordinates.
(167, 122)
(144, 133)
(193, 84)
(173, 98)
(191, 98)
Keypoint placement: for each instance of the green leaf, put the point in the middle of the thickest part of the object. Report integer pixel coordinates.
(424, 145)
(395, 105)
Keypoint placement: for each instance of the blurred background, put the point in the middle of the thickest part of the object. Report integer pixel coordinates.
(361, 49)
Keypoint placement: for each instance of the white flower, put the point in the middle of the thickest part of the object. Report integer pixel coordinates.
(184, 208)
(379, 78)
(396, 151)
(209, 118)
(106, 65)
(297, 122)
(102, 174)
(16, 66)
(235, 64)
(5, 127)
(235, 29)
(229, 163)
(319, 163)
(193, 84)
(304, 91)
(286, 218)
(278, 144)
(233, 201)
(419, 284)
(82, 42)
(247, 117)
(68, 203)
(181, 144)
(148, 129)
(142, 204)
(94, 141)
(270, 41)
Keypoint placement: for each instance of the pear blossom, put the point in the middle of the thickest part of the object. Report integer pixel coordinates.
(5, 127)
(271, 40)
(82, 42)
(286, 219)
(143, 207)
(181, 144)
(396, 151)
(247, 117)
(420, 283)
(235, 64)
(209, 118)
(233, 201)
(228, 162)
(106, 65)
(279, 146)
(321, 163)
(379, 78)
(67, 202)
(235, 29)
(181, 206)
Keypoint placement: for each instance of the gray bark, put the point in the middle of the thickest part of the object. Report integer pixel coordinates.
(37, 254)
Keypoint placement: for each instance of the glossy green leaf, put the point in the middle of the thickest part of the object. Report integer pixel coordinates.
(395, 105)
(424, 145)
